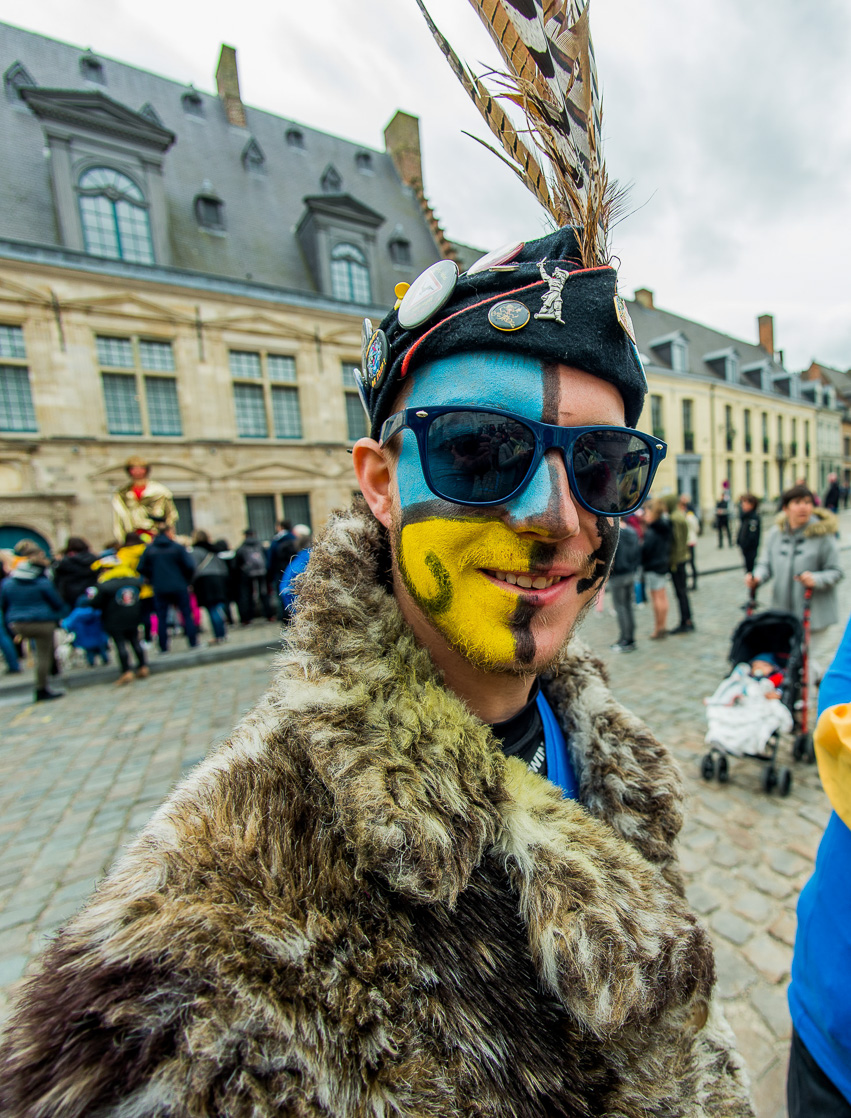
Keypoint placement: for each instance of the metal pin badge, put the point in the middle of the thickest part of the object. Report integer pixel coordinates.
(375, 361)
(552, 301)
(624, 318)
(509, 315)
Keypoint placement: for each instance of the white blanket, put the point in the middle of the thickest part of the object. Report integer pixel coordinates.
(741, 717)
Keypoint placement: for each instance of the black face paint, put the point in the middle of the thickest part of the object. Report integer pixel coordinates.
(521, 626)
(602, 557)
(441, 600)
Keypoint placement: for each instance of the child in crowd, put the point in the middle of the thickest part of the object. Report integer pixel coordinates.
(84, 625)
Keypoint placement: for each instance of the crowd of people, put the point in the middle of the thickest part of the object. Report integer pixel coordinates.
(657, 545)
(140, 587)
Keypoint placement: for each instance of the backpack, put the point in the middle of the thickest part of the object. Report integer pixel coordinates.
(252, 561)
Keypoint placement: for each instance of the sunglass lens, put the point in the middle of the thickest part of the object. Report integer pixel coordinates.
(611, 469)
(478, 456)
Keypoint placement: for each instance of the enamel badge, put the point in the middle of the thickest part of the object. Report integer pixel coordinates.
(375, 360)
(361, 387)
(552, 301)
(428, 293)
(623, 318)
(509, 315)
(499, 258)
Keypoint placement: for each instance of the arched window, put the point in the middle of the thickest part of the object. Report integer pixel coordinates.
(350, 275)
(115, 216)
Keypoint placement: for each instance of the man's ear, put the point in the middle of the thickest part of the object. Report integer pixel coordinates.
(372, 469)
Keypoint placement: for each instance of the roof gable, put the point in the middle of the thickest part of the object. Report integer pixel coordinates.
(95, 112)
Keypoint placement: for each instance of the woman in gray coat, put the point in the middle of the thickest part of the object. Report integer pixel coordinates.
(802, 552)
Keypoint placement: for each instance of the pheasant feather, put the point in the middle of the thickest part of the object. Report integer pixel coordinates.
(551, 76)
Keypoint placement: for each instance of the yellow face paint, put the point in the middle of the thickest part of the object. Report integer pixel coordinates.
(440, 560)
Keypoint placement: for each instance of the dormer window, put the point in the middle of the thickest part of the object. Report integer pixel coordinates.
(193, 104)
(672, 350)
(363, 162)
(295, 138)
(399, 248)
(16, 79)
(725, 364)
(331, 181)
(92, 69)
(114, 214)
(210, 211)
(350, 274)
(252, 157)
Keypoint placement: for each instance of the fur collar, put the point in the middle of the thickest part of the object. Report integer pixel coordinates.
(423, 794)
(822, 523)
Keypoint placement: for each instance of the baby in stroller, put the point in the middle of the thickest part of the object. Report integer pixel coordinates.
(746, 711)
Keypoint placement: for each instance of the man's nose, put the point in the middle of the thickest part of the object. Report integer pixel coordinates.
(546, 506)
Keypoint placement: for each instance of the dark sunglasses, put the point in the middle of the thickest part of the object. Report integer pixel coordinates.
(477, 456)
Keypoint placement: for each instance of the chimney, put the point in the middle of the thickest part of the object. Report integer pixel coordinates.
(644, 297)
(227, 83)
(402, 143)
(766, 333)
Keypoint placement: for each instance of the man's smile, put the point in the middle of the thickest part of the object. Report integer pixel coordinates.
(526, 580)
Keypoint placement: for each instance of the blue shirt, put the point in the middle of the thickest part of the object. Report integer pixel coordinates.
(820, 992)
(559, 765)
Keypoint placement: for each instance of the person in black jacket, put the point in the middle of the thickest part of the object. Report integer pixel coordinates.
(656, 560)
(281, 550)
(119, 600)
(167, 565)
(251, 563)
(622, 585)
(73, 574)
(210, 583)
(749, 530)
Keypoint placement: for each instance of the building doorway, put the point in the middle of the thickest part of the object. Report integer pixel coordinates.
(688, 478)
(10, 534)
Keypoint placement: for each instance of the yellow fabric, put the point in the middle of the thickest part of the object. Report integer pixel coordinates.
(832, 740)
(124, 564)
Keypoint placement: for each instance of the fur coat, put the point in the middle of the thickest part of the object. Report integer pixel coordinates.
(358, 906)
(787, 554)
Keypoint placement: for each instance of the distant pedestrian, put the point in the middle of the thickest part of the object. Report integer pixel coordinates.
(7, 641)
(722, 517)
(679, 559)
(73, 574)
(750, 529)
(625, 566)
(832, 493)
(210, 583)
(304, 536)
(656, 561)
(32, 609)
(281, 550)
(166, 564)
(119, 598)
(252, 566)
(693, 522)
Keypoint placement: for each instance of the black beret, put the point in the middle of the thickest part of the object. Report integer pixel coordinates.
(539, 302)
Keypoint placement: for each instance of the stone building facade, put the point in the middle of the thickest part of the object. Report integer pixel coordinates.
(185, 277)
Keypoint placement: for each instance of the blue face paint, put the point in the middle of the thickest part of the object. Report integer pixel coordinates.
(496, 380)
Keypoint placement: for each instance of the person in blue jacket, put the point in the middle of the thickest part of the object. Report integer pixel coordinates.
(84, 624)
(819, 1077)
(32, 609)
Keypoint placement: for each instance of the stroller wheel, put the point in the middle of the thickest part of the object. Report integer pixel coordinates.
(784, 781)
(723, 770)
(769, 779)
(803, 749)
(707, 766)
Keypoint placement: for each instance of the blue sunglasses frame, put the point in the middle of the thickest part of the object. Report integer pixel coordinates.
(548, 436)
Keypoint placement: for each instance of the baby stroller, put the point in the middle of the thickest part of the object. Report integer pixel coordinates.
(787, 639)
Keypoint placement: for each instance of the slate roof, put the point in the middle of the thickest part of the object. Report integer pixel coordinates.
(654, 325)
(262, 209)
(840, 380)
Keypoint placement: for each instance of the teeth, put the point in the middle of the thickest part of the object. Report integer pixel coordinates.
(525, 582)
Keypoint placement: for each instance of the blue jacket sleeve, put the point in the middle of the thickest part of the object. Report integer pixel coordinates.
(836, 685)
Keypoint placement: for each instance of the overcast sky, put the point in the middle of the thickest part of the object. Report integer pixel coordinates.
(730, 118)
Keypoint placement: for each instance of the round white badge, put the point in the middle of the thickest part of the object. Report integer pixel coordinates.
(428, 293)
(494, 259)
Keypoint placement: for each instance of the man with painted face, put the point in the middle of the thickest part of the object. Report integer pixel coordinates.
(367, 901)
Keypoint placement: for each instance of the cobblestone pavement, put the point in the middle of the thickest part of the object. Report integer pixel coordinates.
(80, 776)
